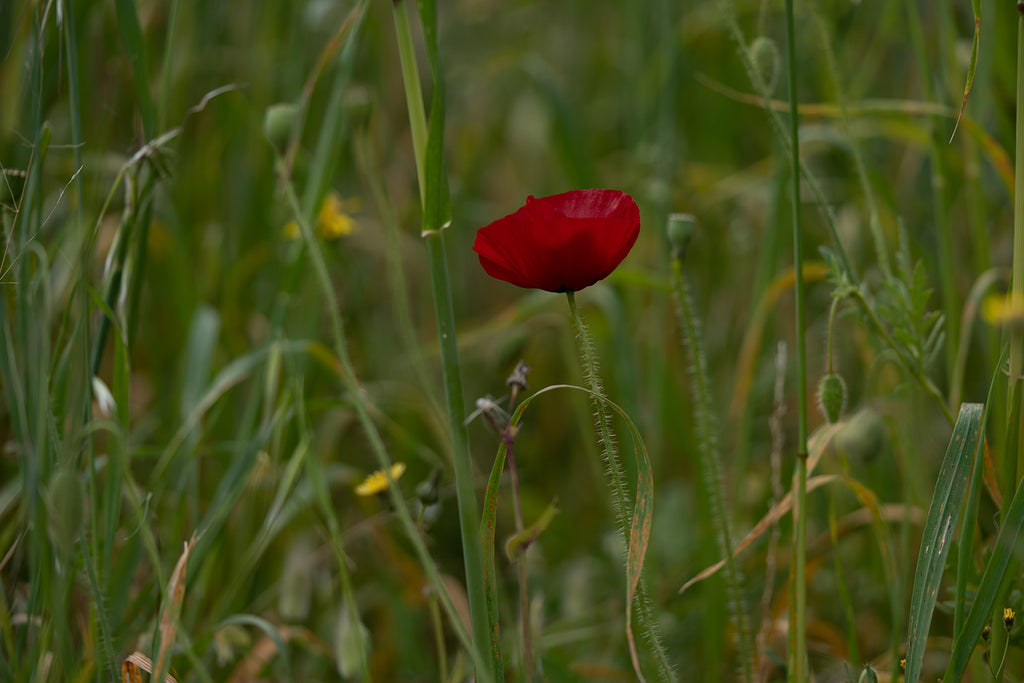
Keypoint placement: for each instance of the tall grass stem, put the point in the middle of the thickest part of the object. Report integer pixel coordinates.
(707, 432)
(370, 429)
(469, 519)
(798, 671)
(1017, 276)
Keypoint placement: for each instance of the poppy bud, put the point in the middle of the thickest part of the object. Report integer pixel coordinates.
(428, 490)
(868, 675)
(278, 121)
(765, 56)
(681, 228)
(832, 397)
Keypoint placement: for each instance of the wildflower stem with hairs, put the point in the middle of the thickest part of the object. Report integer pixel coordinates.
(680, 231)
(616, 478)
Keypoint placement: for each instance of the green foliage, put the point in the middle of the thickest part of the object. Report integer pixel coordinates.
(903, 307)
(177, 357)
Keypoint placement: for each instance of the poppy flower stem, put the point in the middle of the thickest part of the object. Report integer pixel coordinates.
(707, 433)
(798, 665)
(618, 484)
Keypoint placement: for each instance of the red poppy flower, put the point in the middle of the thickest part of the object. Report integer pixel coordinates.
(560, 243)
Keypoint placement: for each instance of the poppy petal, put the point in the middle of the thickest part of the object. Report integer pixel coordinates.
(563, 242)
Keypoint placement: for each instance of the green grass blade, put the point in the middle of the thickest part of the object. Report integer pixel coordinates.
(331, 137)
(487, 530)
(939, 529)
(965, 639)
(131, 34)
(639, 522)
(436, 211)
(965, 559)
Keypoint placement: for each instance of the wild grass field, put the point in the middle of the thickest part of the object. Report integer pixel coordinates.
(238, 278)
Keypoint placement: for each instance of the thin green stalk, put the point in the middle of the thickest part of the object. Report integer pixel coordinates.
(438, 627)
(396, 275)
(788, 142)
(874, 222)
(524, 588)
(376, 442)
(433, 188)
(707, 432)
(323, 499)
(413, 93)
(798, 670)
(1017, 276)
(617, 480)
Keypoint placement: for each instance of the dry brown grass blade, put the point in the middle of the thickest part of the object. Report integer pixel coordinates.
(133, 666)
(816, 446)
(265, 649)
(172, 608)
(766, 523)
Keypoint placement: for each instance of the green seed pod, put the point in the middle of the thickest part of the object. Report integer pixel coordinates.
(65, 509)
(278, 121)
(832, 397)
(681, 228)
(765, 56)
(863, 437)
(868, 675)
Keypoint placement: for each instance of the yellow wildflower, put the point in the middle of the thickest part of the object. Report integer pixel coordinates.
(378, 481)
(1008, 617)
(1002, 310)
(333, 221)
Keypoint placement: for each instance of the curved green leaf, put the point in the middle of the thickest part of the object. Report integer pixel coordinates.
(939, 529)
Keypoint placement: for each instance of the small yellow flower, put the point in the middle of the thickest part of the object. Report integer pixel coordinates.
(998, 309)
(333, 221)
(378, 481)
(1008, 617)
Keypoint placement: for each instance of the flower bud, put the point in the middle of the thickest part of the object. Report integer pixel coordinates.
(681, 228)
(765, 56)
(832, 397)
(868, 675)
(278, 121)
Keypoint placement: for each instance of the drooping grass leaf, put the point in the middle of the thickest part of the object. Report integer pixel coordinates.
(639, 522)
(972, 67)
(939, 529)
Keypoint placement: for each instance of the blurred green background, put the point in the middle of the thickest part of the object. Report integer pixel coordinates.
(651, 98)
